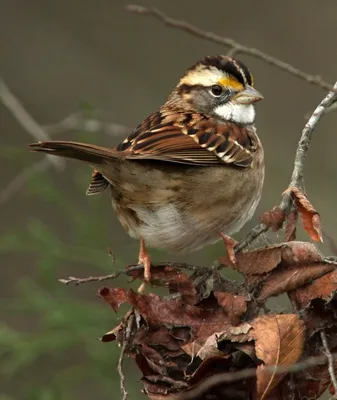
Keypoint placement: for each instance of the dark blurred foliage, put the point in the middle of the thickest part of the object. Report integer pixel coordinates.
(61, 56)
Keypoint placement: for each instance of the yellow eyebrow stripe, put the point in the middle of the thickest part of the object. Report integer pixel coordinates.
(231, 83)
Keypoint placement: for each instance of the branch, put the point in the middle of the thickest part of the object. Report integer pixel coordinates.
(125, 271)
(331, 362)
(298, 170)
(78, 122)
(26, 120)
(75, 122)
(235, 47)
(219, 379)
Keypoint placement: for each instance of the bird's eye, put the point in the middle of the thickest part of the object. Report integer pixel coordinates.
(216, 90)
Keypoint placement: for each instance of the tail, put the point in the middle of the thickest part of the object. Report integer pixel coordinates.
(80, 151)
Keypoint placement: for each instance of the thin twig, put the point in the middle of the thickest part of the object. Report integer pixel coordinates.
(331, 362)
(298, 170)
(79, 122)
(220, 379)
(75, 122)
(77, 281)
(127, 329)
(26, 120)
(235, 46)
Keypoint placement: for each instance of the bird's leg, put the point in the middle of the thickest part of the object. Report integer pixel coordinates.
(230, 244)
(144, 259)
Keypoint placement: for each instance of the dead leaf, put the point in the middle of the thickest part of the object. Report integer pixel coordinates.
(321, 288)
(289, 279)
(279, 341)
(113, 296)
(234, 305)
(263, 260)
(273, 219)
(158, 312)
(172, 278)
(113, 334)
(310, 217)
(291, 225)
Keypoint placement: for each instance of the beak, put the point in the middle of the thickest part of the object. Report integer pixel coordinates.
(247, 96)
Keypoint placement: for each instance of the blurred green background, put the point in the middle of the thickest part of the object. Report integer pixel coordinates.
(60, 57)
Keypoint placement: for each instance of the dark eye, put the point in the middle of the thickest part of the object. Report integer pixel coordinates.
(217, 90)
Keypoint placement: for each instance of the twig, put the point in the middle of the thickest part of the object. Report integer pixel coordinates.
(220, 379)
(78, 122)
(331, 362)
(235, 46)
(127, 329)
(126, 271)
(26, 120)
(298, 170)
(75, 122)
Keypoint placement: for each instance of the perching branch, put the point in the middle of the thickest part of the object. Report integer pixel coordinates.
(298, 170)
(331, 360)
(235, 47)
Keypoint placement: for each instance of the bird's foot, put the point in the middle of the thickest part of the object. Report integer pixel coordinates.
(144, 259)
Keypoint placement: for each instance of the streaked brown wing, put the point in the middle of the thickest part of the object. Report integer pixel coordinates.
(189, 139)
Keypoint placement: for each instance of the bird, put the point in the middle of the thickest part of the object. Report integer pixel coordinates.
(192, 172)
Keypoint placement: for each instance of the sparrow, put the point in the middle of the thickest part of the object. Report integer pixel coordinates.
(192, 171)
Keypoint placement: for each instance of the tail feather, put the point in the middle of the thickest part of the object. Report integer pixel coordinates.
(80, 151)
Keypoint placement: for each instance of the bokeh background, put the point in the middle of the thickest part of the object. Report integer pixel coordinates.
(61, 57)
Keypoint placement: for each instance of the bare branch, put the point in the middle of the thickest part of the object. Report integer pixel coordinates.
(236, 47)
(25, 120)
(78, 122)
(77, 281)
(219, 379)
(75, 122)
(331, 362)
(298, 170)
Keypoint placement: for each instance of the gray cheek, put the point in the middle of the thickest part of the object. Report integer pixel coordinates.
(204, 103)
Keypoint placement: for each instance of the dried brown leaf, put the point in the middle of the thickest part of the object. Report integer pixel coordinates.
(113, 334)
(173, 278)
(263, 260)
(291, 225)
(310, 217)
(158, 312)
(279, 341)
(234, 305)
(321, 288)
(113, 296)
(273, 219)
(289, 279)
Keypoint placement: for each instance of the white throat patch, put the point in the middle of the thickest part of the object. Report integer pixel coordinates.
(241, 113)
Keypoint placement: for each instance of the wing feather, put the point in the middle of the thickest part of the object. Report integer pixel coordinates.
(189, 139)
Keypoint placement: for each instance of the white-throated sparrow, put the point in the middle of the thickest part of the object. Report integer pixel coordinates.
(189, 171)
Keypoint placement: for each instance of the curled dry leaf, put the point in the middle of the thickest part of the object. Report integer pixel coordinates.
(274, 218)
(172, 278)
(263, 260)
(291, 223)
(279, 341)
(158, 312)
(113, 296)
(310, 217)
(289, 279)
(321, 288)
(234, 305)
